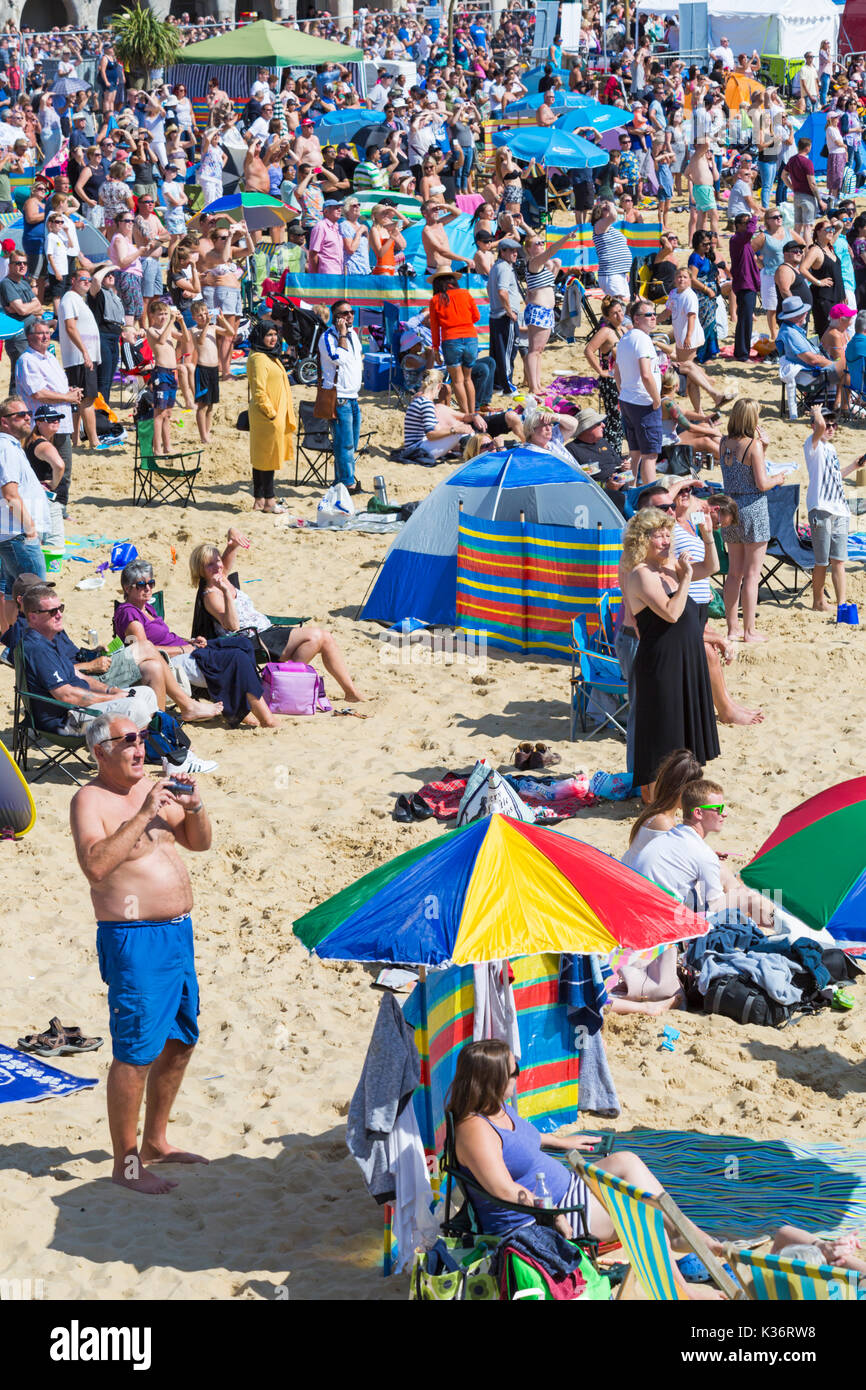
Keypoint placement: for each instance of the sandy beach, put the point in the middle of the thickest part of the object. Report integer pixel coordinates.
(303, 811)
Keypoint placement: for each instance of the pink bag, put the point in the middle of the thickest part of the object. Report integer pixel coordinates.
(293, 687)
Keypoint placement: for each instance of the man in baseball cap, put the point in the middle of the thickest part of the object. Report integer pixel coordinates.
(16, 630)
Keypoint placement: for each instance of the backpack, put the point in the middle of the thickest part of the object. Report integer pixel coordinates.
(746, 1003)
(165, 739)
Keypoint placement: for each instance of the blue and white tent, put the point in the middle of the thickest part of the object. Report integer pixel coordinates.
(418, 578)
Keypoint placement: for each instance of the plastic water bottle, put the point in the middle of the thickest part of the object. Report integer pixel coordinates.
(791, 399)
(542, 1192)
(92, 637)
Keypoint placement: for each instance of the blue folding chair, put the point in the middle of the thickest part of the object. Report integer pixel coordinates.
(592, 671)
(604, 636)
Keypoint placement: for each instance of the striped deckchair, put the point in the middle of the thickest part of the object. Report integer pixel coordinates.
(638, 1217)
(774, 1279)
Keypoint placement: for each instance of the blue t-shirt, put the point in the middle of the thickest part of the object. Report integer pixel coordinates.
(479, 36)
(791, 342)
(48, 665)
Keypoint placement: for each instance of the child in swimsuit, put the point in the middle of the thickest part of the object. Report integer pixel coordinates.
(165, 330)
(207, 372)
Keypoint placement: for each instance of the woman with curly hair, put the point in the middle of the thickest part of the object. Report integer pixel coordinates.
(600, 353)
(673, 698)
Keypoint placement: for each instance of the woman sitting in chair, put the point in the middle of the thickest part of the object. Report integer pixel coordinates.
(503, 1154)
(226, 670)
(228, 609)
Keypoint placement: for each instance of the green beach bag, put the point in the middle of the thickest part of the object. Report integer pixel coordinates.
(471, 1283)
(525, 1282)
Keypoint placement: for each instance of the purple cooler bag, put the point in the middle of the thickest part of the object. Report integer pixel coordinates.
(293, 687)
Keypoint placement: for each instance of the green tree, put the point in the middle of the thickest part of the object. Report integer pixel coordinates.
(143, 42)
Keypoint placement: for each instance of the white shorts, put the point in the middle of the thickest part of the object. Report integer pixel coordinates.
(769, 293)
(614, 284)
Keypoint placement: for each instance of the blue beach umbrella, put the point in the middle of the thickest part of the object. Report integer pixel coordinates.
(552, 147)
(533, 76)
(562, 101)
(591, 114)
(340, 126)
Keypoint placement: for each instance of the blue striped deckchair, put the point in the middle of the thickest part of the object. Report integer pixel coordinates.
(638, 1217)
(772, 1278)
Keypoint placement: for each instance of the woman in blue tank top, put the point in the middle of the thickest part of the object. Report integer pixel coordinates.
(503, 1153)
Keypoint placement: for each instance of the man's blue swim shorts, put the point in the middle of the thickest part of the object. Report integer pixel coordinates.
(149, 968)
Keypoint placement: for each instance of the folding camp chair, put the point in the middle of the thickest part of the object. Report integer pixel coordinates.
(162, 477)
(592, 671)
(772, 1278)
(58, 749)
(465, 1218)
(638, 1217)
(785, 551)
(315, 446)
(603, 639)
(822, 391)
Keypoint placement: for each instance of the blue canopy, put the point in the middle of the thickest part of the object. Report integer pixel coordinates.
(561, 101)
(550, 146)
(532, 78)
(592, 114)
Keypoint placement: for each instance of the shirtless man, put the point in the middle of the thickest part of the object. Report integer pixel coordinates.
(306, 148)
(255, 175)
(434, 237)
(125, 829)
(701, 175)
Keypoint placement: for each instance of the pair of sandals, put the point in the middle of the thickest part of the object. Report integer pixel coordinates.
(529, 757)
(58, 1041)
(411, 808)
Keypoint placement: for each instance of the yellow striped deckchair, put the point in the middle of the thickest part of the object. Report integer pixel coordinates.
(638, 1217)
(772, 1278)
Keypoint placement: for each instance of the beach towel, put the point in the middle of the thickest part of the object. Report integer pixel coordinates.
(583, 991)
(24, 1078)
(392, 1070)
(443, 798)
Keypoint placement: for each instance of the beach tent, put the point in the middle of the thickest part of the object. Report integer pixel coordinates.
(786, 28)
(739, 91)
(418, 578)
(815, 129)
(816, 859)
(270, 45)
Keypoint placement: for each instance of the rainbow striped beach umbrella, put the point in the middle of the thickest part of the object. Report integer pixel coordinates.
(258, 210)
(493, 889)
(816, 858)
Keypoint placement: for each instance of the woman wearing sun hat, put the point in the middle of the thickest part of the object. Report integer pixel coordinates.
(453, 316)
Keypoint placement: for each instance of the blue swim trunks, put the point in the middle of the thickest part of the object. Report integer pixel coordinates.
(149, 968)
(164, 382)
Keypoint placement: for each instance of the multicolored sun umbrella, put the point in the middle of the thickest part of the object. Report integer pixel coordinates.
(816, 859)
(493, 889)
(258, 210)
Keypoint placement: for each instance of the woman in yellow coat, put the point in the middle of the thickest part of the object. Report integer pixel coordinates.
(272, 413)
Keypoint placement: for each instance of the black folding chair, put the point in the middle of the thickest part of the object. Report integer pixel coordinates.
(315, 447)
(57, 749)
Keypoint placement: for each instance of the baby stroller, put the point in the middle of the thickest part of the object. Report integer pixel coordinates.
(301, 328)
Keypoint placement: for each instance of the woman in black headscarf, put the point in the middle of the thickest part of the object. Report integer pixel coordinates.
(272, 413)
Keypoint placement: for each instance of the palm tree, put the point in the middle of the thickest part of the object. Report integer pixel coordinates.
(143, 42)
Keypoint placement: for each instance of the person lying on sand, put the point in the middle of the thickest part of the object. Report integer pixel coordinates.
(126, 829)
(232, 611)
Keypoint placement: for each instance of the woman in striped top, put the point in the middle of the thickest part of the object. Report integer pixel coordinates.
(542, 270)
(614, 256)
(421, 425)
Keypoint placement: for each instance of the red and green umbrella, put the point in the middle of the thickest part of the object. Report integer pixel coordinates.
(816, 859)
(493, 889)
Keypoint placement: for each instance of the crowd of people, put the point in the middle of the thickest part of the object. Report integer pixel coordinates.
(175, 281)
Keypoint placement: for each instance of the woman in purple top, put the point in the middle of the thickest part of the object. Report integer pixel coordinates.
(227, 668)
(504, 1154)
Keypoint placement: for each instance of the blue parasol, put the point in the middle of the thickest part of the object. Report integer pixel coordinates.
(552, 148)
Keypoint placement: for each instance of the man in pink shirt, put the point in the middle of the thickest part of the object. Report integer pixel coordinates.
(327, 251)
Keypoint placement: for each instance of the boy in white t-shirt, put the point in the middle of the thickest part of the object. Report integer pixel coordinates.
(57, 249)
(828, 508)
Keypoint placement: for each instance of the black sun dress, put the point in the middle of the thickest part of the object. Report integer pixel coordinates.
(673, 698)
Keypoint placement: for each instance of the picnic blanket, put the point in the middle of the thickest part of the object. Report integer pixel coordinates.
(739, 1188)
(23, 1077)
(444, 797)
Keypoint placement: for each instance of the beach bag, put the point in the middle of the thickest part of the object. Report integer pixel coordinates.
(716, 607)
(165, 739)
(488, 794)
(745, 1003)
(468, 1280)
(293, 687)
(523, 1281)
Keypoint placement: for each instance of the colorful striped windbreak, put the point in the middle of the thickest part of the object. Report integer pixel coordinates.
(411, 296)
(442, 1012)
(579, 253)
(524, 585)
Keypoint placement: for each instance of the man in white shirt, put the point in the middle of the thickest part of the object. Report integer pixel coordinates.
(342, 361)
(80, 352)
(261, 89)
(40, 380)
(828, 509)
(681, 861)
(24, 515)
(380, 95)
(725, 54)
(638, 376)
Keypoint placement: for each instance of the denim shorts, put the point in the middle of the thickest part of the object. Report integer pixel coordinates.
(151, 278)
(643, 427)
(149, 968)
(227, 300)
(19, 556)
(459, 352)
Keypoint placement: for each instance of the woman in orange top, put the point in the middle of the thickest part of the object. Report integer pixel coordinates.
(386, 238)
(453, 316)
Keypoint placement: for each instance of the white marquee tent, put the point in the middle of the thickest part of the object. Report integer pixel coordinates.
(786, 27)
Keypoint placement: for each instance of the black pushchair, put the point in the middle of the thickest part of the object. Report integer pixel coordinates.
(301, 329)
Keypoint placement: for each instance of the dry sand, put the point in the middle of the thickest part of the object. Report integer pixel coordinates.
(299, 814)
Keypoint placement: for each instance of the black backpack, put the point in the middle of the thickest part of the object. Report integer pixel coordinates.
(746, 1003)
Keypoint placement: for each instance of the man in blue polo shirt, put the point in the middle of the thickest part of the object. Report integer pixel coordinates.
(50, 657)
(794, 347)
